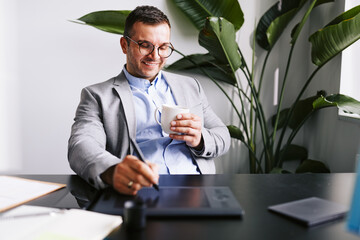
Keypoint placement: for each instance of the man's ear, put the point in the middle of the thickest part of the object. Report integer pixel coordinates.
(124, 45)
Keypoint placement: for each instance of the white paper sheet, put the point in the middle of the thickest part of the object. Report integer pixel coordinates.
(74, 224)
(15, 191)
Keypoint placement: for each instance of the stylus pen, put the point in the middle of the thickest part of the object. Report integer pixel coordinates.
(141, 157)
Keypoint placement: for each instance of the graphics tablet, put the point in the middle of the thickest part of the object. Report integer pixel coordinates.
(311, 211)
(173, 201)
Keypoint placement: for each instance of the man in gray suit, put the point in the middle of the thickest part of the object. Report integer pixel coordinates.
(113, 112)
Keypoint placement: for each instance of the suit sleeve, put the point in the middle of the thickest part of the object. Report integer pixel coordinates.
(87, 153)
(214, 132)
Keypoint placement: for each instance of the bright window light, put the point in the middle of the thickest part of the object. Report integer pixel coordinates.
(350, 79)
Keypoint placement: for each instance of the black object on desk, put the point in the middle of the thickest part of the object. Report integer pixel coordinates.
(311, 211)
(134, 215)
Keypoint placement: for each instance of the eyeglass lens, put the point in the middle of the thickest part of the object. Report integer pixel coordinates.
(147, 48)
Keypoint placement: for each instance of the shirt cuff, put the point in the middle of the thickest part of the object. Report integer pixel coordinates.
(100, 183)
(201, 151)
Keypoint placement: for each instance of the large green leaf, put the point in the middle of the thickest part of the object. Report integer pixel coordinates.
(312, 166)
(108, 21)
(309, 105)
(294, 152)
(235, 132)
(277, 170)
(208, 63)
(191, 61)
(302, 110)
(319, 2)
(198, 10)
(218, 37)
(335, 37)
(295, 33)
(343, 102)
(275, 20)
(296, 30)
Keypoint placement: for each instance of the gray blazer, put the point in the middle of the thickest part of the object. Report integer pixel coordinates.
(105, 118)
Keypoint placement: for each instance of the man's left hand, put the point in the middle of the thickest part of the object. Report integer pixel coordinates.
(190, 126)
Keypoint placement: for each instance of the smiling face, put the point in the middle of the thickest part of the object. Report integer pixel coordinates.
(141, 66)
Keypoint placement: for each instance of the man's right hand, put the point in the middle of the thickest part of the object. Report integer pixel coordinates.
(130, 175)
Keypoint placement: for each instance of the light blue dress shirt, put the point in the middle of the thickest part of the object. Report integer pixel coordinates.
(172, 156)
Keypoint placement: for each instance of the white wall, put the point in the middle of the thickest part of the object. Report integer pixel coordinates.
(349, 82)
(10, 132)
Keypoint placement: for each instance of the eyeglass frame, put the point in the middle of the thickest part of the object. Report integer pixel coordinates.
(139, 44)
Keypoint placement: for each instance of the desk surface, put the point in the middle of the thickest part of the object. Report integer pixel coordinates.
(254, 192)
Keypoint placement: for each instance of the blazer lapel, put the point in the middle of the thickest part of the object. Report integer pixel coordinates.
(174, 82)
(122, 87)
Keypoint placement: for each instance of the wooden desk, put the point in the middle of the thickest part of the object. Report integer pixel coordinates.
(254, 192)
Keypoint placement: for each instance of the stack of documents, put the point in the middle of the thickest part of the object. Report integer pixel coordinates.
(43, 223)
(15, 191)
(40, 223)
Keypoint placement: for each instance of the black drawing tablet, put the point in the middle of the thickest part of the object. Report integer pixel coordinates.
(173, 201)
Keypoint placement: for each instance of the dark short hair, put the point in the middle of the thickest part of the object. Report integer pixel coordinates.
(145, 14)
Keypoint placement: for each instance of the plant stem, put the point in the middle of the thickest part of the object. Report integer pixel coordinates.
(292, 136)
(282, 94)
(260, 170)
(291, 111)
(257, 116)
(263, 70)
(261, 119)
(252, 122)
(243, 61)
(293, 43)
(243, 114)
(264, 131)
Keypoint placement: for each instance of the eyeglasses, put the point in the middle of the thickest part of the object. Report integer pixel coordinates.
(146, 48)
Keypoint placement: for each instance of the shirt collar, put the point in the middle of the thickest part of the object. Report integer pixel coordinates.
(142, 83)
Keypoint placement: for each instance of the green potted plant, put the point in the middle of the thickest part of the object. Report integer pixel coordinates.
(218, 21)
